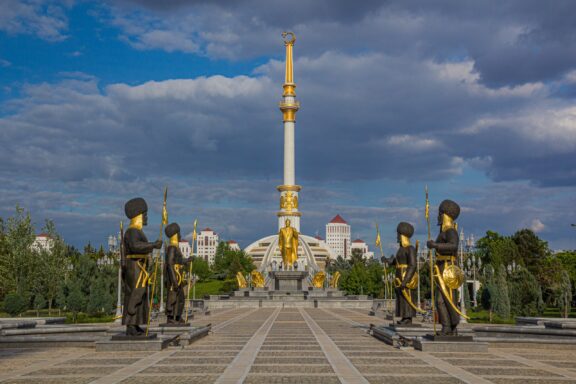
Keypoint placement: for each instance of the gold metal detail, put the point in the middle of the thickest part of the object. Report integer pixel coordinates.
(242, 283)
(174, 240)
(408, 298)
(288, 214)
(257, 279)
(334, 280)
(289, 201)
(318, 279)
(453, 276)
(293, 188)
(288, 244)
(143, 276)
(412, 284)
(289, 40)
(447, 294)
(404, 241)
(137, 222)
(178, 272)
(447, 222)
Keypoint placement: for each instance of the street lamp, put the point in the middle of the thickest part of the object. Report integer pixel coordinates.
(462, 300)
(114, 245)
(472, 263)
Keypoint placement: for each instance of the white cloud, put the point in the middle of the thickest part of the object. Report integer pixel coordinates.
(43, 18)
(537, 226)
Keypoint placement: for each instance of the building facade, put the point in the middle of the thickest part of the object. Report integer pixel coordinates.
(185, 248)
(233, 245)
(362, 247)
(338, 236)
(207, 244)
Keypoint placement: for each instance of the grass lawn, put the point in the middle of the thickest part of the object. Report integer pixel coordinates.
(211, 287)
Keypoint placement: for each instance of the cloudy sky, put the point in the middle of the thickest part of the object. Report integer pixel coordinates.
(104, 101)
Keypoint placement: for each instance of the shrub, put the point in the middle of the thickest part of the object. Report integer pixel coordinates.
(15, 304)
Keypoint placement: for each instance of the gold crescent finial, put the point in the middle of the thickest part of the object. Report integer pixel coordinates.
(292, 37)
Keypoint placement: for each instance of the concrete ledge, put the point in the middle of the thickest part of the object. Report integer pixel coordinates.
(153, 345)
(53, 330)
(449, 346)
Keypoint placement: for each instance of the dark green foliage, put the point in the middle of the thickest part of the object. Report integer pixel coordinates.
(568, 261)
(363, 278)
(496, 250)
(75, 300)
(201, 268)
(531, 248)
(230, 262)
(564, 294)
(525, 294)
(500, 298)
(229, 286)
(15, 304)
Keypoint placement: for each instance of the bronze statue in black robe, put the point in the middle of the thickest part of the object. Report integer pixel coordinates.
(136, 261)
(446, 246)
(405, 263)
(174, 272)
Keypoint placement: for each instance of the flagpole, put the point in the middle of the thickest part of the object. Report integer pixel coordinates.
(385, 272)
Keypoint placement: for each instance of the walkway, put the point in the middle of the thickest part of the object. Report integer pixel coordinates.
(288, 346)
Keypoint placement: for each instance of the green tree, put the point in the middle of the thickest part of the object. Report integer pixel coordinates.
(525, 294)
(76, 300)
(18, 261)
(500, 298)
(228, 262)
(15, 304)
(201, 268)
(564, 294)
(39, 303)
(356, 280)
(568, 260)
(532, 250)
(101, 300)
(495, 250)
(52, 263)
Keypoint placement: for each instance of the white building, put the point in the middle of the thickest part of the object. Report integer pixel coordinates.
(338, 236)
(363, 247)
(185, 248)
(42, 242)
(207, 244)
(233, 245)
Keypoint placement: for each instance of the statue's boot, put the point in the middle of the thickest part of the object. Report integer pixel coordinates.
(170, 320)
(405, 321)
(131, 330)
(446, 331)
(140, 330)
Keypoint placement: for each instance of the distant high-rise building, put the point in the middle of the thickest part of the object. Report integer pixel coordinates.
(338, 236)
(42, 242)
(233, 245)
(207, 244)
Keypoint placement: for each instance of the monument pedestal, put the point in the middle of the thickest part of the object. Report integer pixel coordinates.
(289, 280)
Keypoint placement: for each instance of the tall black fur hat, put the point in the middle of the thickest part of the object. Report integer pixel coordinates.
(405, 229)
(450, 208)
(172, 229)
(135, 207)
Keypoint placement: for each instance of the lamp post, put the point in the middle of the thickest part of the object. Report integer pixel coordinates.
(462, 300)
(113, 245)
(472, 263)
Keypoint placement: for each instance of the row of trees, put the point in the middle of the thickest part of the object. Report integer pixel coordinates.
(56, 275)
(522, 276)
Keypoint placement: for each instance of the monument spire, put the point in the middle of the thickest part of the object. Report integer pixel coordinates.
(289, 106)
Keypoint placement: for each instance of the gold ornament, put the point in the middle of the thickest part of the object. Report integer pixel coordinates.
(257, 279)
(318, 280)
(453, 276)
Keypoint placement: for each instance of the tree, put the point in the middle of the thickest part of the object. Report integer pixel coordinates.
(201, 268)
(229, 262)
(568, 260)
(18, 261)
(76, 300)
(531, 249)
(564, 294)
(15, 304)
(500, 298)
(525, 294)
(52, 263)
(494, 249)
(356, 280)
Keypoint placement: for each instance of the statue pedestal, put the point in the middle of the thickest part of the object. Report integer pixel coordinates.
(289, 280)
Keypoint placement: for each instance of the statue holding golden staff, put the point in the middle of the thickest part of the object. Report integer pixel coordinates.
(288, 243)
(405, 262)
(446, 246)
(136, 259)
(175, 282)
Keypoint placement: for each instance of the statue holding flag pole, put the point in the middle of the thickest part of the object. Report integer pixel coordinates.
(190, 282)
(175, 281)
(136, 249)
(387, 290)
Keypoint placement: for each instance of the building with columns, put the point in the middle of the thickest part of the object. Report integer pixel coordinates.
(362, 247)
(233, 245)
(207, 242)
(185, 248)
(265, 252)
(338, 236)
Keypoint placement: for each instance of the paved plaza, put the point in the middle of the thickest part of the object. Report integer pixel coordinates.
(290, 345)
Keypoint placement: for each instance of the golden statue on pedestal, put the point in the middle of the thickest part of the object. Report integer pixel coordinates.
(288, 243)
(257, 279)
(318, 280)
(334, 280)
(242, 283)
